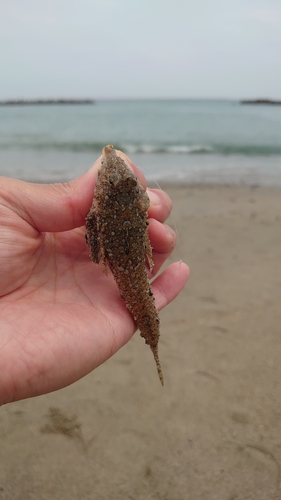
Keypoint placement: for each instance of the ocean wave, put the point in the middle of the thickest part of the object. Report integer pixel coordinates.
(181, 149)
(248, 149)
(166, 149)
(75, 146)
(221, 149)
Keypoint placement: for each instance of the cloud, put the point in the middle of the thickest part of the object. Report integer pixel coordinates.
(270, 16)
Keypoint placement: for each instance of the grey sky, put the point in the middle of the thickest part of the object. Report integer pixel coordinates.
(140, 48)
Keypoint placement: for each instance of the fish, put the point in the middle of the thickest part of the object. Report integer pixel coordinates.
(117, 236)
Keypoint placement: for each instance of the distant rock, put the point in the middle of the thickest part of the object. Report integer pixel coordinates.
(28, 102)
(261, 101)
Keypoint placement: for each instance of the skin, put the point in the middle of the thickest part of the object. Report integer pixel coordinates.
(60, 316)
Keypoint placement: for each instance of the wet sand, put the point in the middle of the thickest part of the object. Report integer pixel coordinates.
(214, 430)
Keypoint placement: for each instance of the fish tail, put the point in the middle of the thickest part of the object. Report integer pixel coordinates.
(159, 369)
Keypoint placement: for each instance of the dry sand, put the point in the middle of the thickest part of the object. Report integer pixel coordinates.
(214, 430)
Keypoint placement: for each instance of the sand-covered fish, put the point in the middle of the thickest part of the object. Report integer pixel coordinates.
(117, 234)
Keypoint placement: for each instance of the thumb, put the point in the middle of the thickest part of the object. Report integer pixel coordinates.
(52, 207)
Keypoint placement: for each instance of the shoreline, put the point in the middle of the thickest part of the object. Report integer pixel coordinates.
(162, 169)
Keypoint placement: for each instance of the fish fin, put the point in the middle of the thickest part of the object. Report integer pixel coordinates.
(148, 250)
(92, 238)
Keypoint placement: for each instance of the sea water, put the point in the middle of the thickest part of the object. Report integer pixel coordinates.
(178, 141)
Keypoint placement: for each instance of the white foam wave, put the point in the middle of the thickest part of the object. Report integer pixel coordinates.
(166, 149)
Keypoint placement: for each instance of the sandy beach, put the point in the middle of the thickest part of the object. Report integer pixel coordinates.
(214, 431)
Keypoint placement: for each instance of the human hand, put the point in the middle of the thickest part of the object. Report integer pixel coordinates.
(60, 315)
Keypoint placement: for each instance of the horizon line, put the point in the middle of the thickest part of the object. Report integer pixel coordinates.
(93, 100)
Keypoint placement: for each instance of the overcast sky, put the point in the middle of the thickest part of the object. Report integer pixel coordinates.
(140, 48)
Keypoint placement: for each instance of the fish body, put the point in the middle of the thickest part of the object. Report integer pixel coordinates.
(117, 235)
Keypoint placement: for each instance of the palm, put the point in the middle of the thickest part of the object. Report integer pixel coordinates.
(60, 315)
(63, 300)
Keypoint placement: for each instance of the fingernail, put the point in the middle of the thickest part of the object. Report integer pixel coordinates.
(171, 233)
(154, 198)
